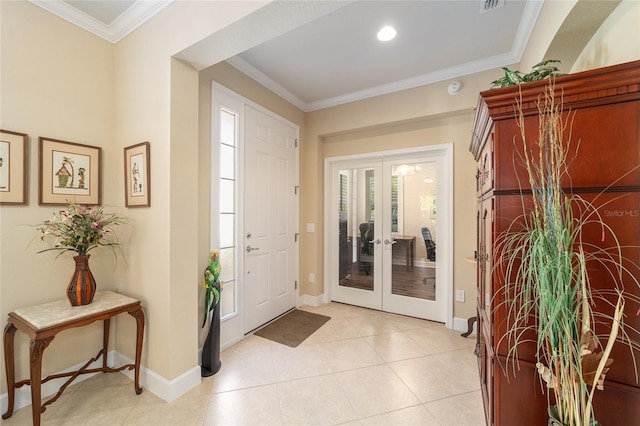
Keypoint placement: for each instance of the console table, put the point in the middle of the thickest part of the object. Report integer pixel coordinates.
(42, 322)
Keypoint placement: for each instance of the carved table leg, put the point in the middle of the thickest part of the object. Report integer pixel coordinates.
(470, 322)
(9, 333)
(105, 344)
(36, 348)
(139, 316)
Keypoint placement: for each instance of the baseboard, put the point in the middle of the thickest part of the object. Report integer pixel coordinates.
(168, 390)
(314, 301)
(22, 396)
(462, 324)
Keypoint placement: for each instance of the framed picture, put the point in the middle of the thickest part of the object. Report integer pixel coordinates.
(137, 176)
(432, 210)
(14, 163)
(69, 172)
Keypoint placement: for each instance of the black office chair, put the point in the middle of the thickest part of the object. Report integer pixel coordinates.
(430, 245)
(366, 248)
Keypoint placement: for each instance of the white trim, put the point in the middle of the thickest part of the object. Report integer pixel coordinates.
(448, 181)
(529, 18)
(309, 300)
(137, 14)
(447, 150)
(232, 327)
(461, 324)
(168, 390)
(257, 75)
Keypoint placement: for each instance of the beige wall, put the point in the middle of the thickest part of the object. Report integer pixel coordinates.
(62, 82)
(157, 100)
(57, 81)
(622, 25)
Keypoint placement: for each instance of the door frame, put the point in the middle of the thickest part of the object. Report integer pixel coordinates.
(445, 235)
(232, 327)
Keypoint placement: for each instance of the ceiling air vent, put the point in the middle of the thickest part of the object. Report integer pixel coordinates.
(488, 5)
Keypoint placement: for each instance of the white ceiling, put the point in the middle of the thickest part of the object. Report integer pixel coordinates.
(337, 58)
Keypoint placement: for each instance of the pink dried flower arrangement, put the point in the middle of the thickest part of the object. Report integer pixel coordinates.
(80, 229)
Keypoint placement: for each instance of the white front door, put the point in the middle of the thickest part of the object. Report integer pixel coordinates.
(384, 223)
(270, 221)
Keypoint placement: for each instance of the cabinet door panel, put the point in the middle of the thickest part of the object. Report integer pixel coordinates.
(485, 167)
(617, 406)
(598, 155)
(485, 367)
(519, 399)
(621, 214)
(507, 209)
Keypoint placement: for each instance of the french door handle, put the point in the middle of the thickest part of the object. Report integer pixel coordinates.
(390, 242)
(375, 241)
(250, 249)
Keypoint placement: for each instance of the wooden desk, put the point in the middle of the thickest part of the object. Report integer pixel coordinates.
(409, 241)
(42, 322)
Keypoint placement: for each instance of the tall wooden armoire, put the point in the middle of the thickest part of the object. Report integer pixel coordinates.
(604, 155)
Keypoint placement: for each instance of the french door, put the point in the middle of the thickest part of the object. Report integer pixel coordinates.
(388, 234)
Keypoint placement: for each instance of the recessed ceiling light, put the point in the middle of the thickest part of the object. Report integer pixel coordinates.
(386, 33)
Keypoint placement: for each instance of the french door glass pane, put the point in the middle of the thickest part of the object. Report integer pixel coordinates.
(356, 213)
(413, 216)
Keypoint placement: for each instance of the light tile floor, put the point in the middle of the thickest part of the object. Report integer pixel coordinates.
(362, 367)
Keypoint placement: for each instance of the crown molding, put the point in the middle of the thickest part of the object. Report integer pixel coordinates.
(529, 17)
(139, 13)
(257, 75)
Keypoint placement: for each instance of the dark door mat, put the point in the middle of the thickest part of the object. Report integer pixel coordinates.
(293, 328)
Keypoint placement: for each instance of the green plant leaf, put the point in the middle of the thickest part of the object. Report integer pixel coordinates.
(539, 71)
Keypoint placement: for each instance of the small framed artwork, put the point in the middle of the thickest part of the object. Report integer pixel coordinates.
(69, 172)
(14, 163)
(432, 210)
(137, 176)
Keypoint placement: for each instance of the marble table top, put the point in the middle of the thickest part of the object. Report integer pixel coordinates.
(60, 311)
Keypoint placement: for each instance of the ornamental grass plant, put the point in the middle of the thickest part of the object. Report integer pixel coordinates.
(546, 263)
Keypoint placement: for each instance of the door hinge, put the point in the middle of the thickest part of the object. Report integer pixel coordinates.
(296, 235)
(296, 284)
(296, 142)
(296, 189)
